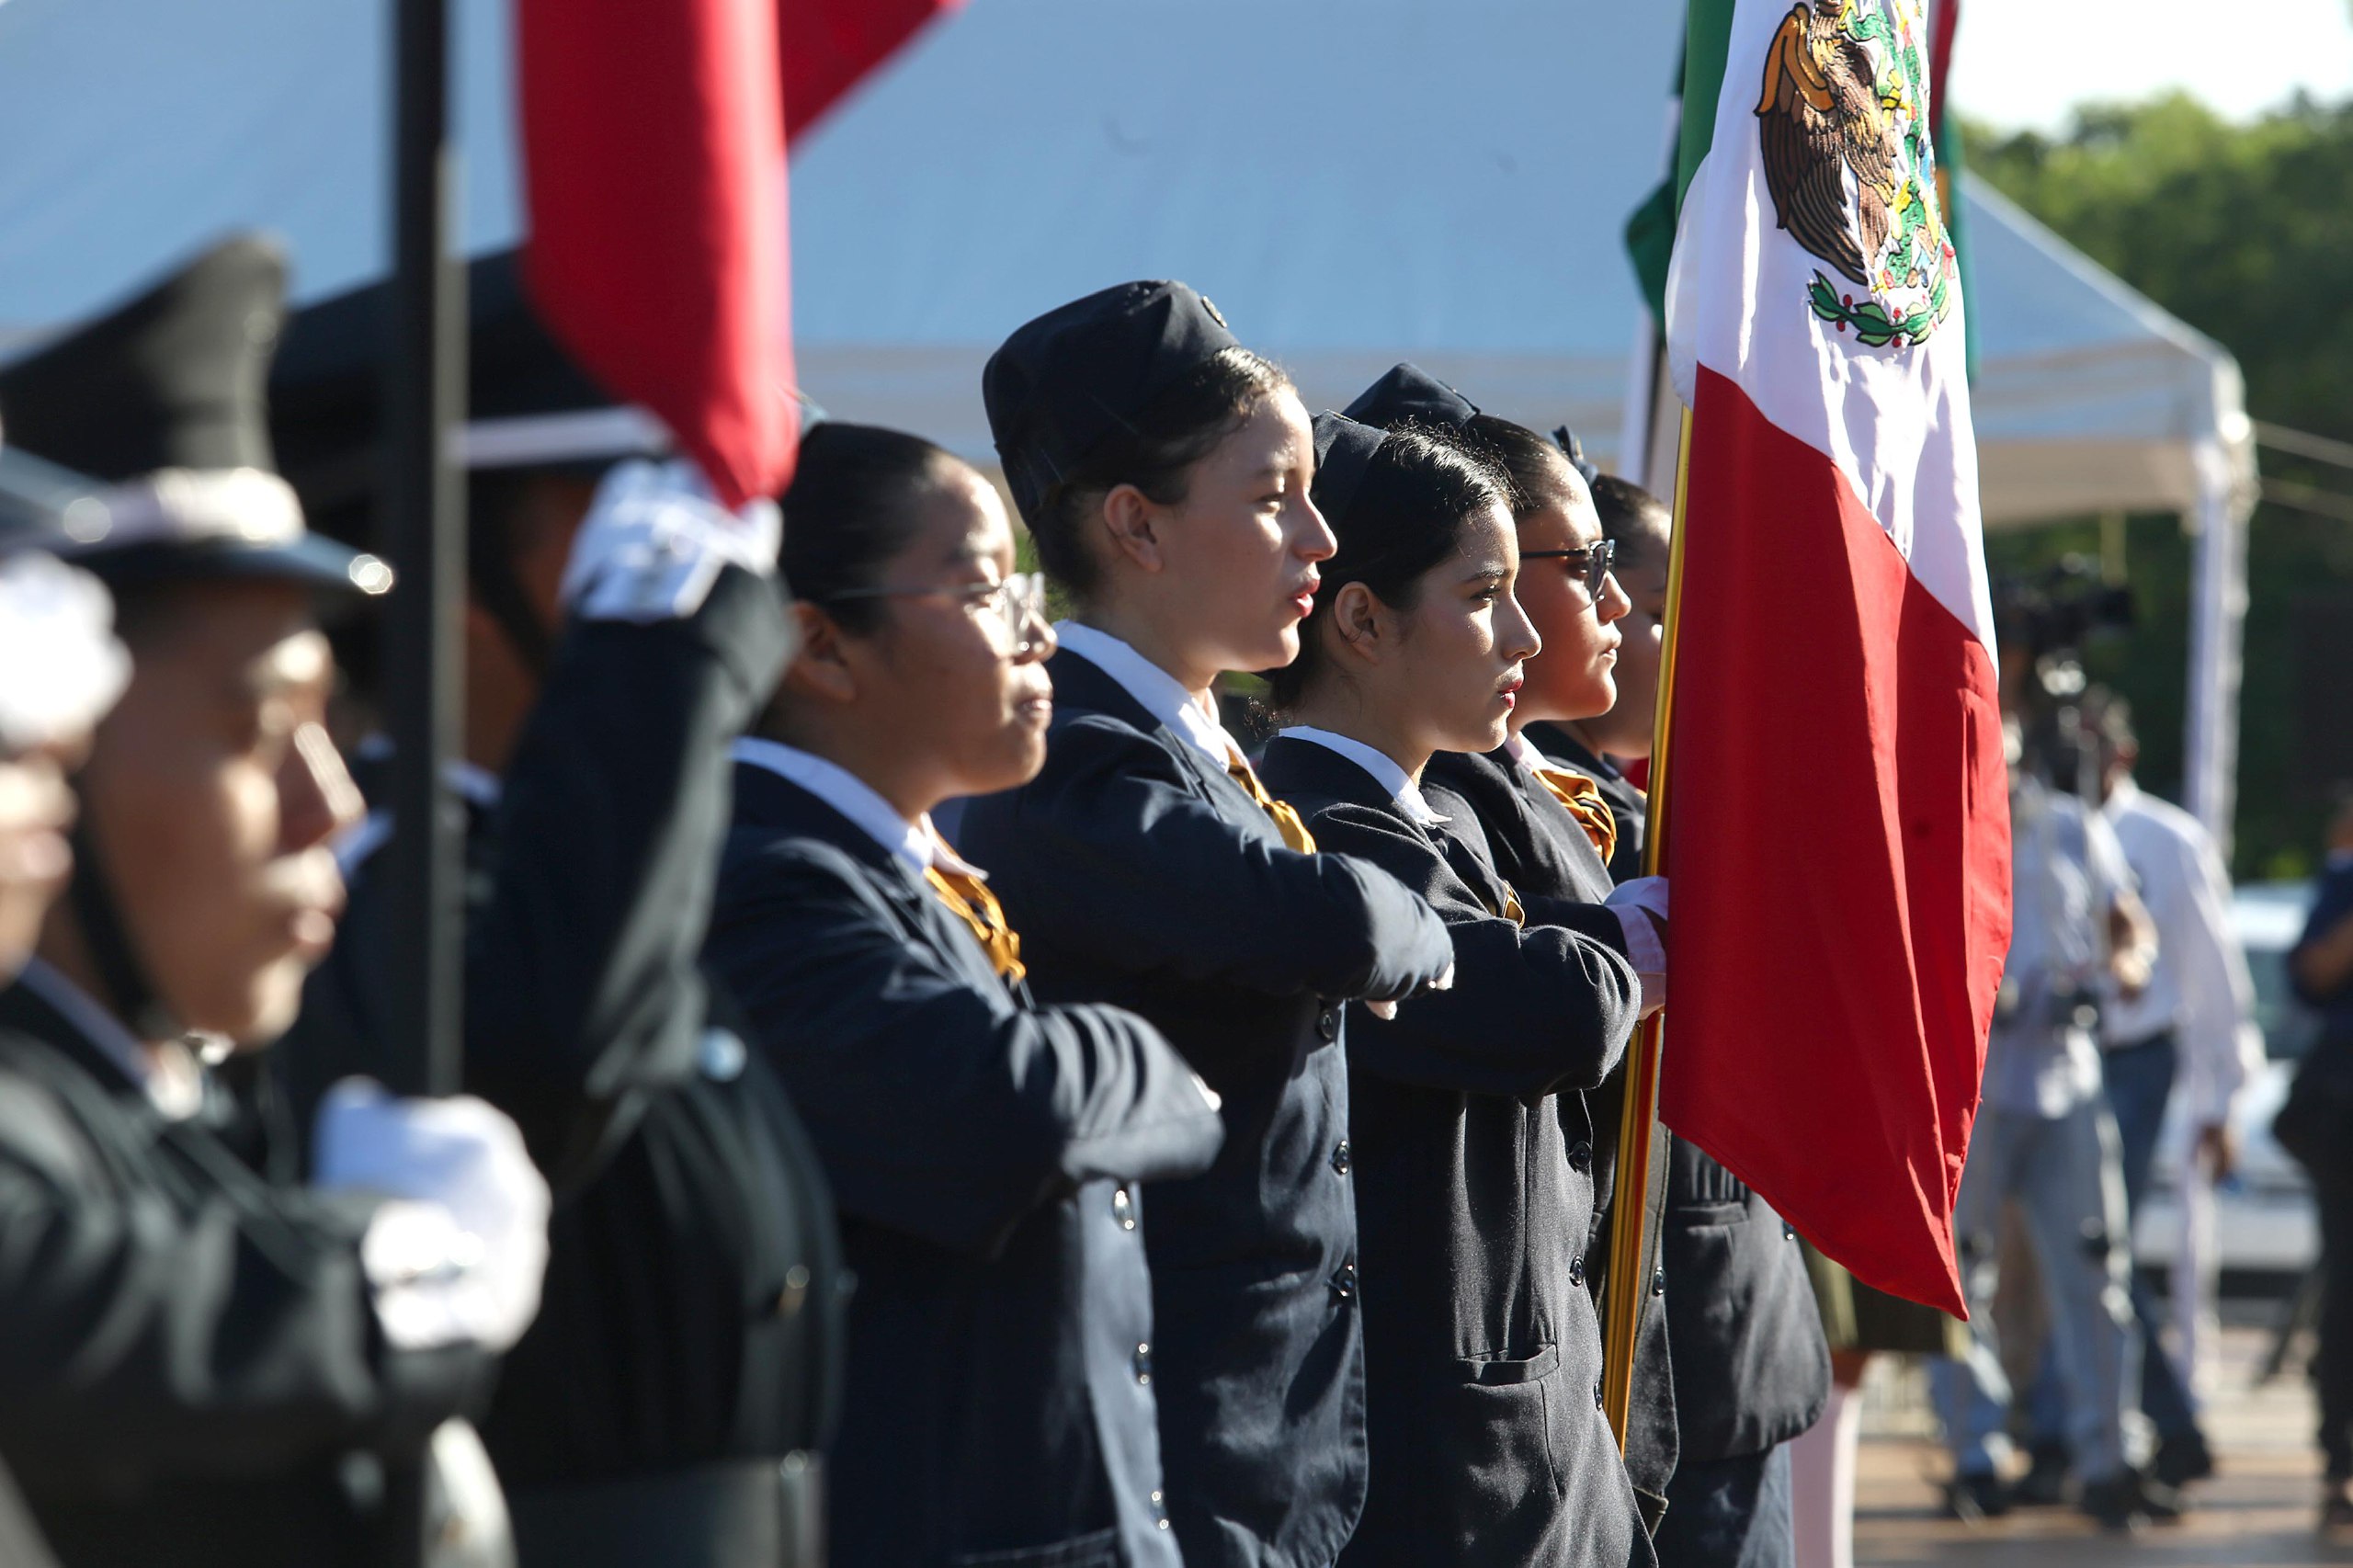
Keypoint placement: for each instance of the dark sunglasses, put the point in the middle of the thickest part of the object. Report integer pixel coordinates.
(1592, 561)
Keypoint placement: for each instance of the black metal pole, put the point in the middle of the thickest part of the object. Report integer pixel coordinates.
(425, 381)
(425, 506)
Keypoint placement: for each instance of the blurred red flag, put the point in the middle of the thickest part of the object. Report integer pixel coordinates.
(653, 146)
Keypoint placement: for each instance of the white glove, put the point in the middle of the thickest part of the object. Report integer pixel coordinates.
(458, 1253)
(60, 668)
(655, 540)
(1640, 908)
(1389, 1010)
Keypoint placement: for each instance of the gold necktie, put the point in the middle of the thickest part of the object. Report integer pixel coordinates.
(970, 900)
(1286, 821)
(1582, 798)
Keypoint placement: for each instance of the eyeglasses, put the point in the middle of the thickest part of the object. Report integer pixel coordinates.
(1594, 560)
(1019, 602)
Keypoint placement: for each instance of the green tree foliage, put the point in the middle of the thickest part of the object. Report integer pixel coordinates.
(2245, 231)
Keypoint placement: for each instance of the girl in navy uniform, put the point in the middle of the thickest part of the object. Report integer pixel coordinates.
(1484, 1355)
(1749, 1369)
(1164, 472)
(1551, 827)
(984, 1150)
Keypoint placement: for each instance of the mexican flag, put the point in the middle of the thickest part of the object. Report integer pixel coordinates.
(1839, 839)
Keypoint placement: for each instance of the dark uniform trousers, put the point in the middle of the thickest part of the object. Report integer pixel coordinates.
(1540, 849)
(190, 1367)
(670, 1400)
(985, 1155)
(1140, 874)
(1473, 1163)
(1751, 1367)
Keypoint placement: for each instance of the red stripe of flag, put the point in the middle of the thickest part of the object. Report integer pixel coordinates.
(1839, 853)
(654, 141)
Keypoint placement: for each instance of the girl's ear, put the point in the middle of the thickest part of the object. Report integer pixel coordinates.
(1131, 527)
(821, 671)
(1361, 624)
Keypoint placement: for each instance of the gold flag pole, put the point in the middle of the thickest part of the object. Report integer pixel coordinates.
(1629, 1246)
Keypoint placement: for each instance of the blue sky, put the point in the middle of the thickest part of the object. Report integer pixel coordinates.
(2028, 62)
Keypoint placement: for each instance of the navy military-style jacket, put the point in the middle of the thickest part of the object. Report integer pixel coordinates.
(1541, 850)
(1475, 1192)
(690, 1329)
(1751, 1367)
(189, 1358)
(984, 1152)
(1140, 874)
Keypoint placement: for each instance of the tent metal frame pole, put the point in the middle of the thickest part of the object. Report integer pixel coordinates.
(424, 378)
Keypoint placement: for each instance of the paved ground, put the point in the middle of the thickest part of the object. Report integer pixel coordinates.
(2259, 1510)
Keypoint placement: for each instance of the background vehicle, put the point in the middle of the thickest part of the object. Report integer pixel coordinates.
(2265, 1228)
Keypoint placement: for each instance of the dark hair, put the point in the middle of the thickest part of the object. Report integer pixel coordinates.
(1534, 468)
(1631, 516)
(1407, 514)
(1156, 453)
(850, 509)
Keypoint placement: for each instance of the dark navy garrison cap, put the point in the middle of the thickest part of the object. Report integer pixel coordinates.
(160, 404)
(1408, 392)
(1344, 449)
(1062, 382)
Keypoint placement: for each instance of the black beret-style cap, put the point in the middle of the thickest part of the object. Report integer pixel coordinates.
(1408, 392)
(160, 402)
(1063, 381)
(1344, 449)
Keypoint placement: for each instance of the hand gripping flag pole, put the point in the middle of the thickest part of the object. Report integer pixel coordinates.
(1627, 1290)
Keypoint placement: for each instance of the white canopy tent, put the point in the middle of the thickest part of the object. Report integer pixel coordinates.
(1443, 180)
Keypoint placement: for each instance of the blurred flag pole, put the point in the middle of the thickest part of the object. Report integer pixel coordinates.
(425, 374)
(425, 370)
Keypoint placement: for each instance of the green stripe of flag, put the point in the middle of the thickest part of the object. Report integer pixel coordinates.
(1650, 233)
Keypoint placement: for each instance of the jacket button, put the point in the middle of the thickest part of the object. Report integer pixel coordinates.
(1788, 1231)
(1340, 1157)
(1597, 1402)
(1143, 1363)
(1327, 1023)
(1659, 1282)
(1123, 1208)
(1581, 1156)
(1344, 1283)
(795, 1292)
(1576, 1271)
(1160, 1509)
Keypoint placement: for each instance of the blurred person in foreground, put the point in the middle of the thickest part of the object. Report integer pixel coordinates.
(201, 1363)
(2044, 1138)
(2192, 1024)
(621, 628)
(2316, 1127)
(60, 669)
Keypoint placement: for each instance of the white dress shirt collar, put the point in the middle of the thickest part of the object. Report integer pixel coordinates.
(1527, 756)
(1384, 770)
(1160, 694)
(917, 843)
(171, 1076)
